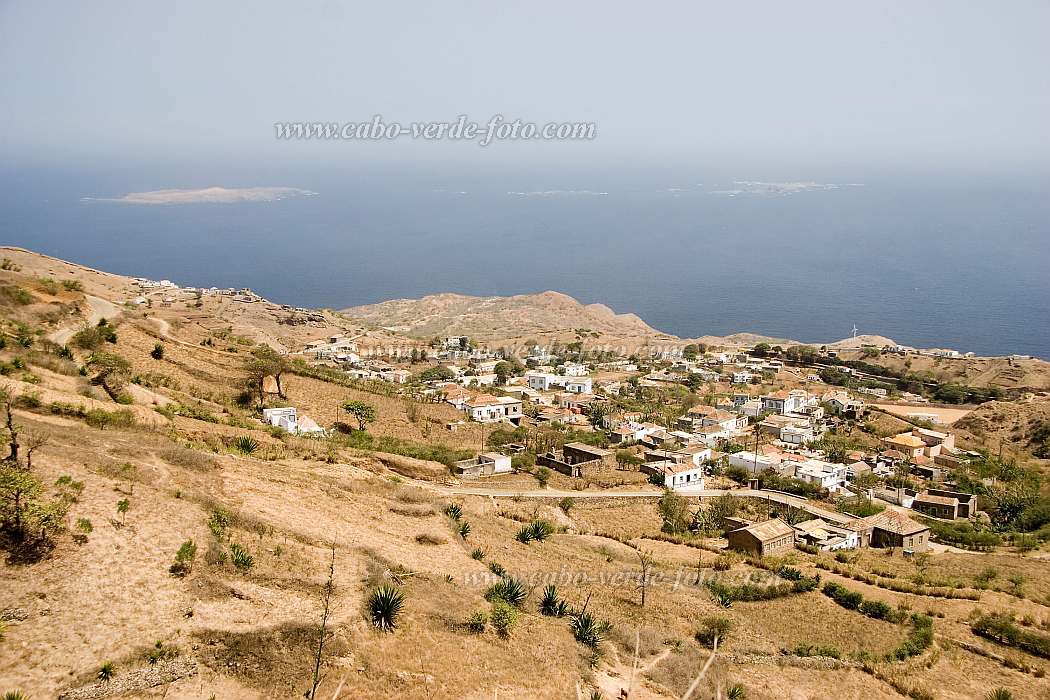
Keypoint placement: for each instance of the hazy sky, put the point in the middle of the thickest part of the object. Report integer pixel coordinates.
(910, 82)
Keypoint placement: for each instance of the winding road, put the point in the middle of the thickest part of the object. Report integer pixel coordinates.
(772, 496)
(98, 309)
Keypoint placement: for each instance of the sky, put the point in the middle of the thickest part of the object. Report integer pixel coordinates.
(899, 82)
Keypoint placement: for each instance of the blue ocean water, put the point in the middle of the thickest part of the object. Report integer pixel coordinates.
(960, 262)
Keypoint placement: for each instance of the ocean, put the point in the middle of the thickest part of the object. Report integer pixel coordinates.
(929, 260)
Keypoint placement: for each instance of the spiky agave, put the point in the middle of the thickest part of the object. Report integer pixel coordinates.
(385, 606)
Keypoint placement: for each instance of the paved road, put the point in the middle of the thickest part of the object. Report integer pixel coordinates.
(98, 309)
(772, 496)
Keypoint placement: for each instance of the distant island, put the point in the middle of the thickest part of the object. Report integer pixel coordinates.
(207, 195)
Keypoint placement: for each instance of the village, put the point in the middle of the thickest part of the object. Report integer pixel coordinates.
(752, 434)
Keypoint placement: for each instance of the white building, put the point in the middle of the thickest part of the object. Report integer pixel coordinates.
(685, 475)
(493, 409)
(286, 419)
(573, 369)
(825, 474)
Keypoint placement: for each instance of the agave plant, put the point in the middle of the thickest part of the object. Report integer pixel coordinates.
(736, 692)
(246, 444)
(241, 558)
(106, 671)
(464, 530)
(588, 630)
(384, 606)
(541, 529)
(510, 590)
(722, 599)
(454, 511)
(15, 695)
(1000, 694)
(524, 534)
(497, 568)
(478, 554)
(551, 605)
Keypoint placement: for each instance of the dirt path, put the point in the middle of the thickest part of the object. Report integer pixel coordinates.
(98, 309)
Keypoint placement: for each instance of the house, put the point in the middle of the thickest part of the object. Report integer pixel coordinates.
(741, 377)
(725, 420)
(482, 366)
(576, 459)
(573, 369)
(676, 476)
(577, 452)
(820, 534)
(891, 529)
(827, 475)
(286, 418)
(967, 501)
(455, 395)
(844, 404)
(785, 402)
(545, 381)
(485, 464)
(493, 409)
(754, 463)
(579, 385)
(907, 444)
(943, 507)
(769, 538)
(797, 434)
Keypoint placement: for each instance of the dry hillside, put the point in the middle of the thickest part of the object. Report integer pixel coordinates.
(91, 606)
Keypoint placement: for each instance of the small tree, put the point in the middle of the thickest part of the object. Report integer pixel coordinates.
(365, 413)
(112, 372)
(543, 475)
(123, 506)
(674, 509)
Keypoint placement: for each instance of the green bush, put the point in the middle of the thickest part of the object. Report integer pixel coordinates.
(477, 621)
(714, 628)
(503, 618)
(184, 559)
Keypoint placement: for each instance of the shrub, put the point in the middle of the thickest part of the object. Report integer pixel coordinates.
(157, 353)
(920, 637)
(1000, 694)
(510, 590)
(880, 611)
(497, 568)
(478, 554)
(503, 618)
(566, 504)
(454, 511)
(848, 599)
(241, 558)
(1000, 628)
(477, 621)
(384, 607)
(106, 671)
(184, 559)
(464, 530)
(714, 628)
(219, 523)
(159, 652)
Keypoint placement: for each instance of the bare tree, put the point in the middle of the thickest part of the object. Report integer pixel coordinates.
(326, 596)
(645, 563)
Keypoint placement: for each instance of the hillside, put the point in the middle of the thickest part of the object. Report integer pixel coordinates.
(1001, 372)
(271, 526)
(490, 319)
